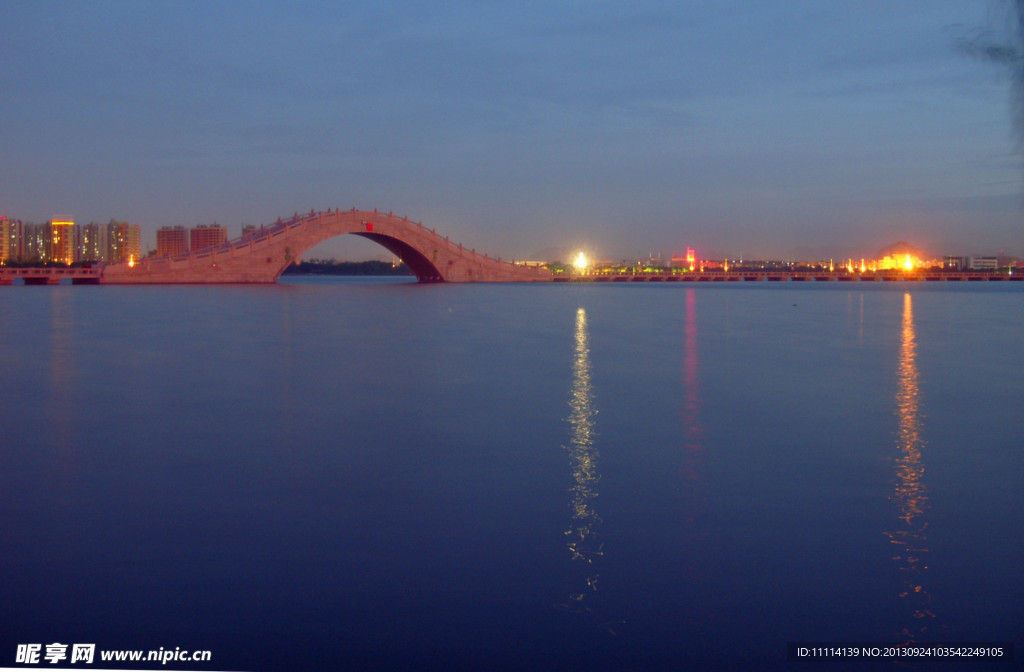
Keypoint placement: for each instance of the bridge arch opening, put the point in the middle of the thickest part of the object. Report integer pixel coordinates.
(420, 265)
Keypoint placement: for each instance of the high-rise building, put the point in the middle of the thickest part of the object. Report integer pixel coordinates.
(93, 242)
(134, 242)
(171, 241)
(10, 239)
(63, 243)
(124, 242)
(53, 242)
(34, 244)
(207, 235)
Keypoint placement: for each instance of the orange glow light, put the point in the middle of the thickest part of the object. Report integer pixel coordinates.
(581, 262)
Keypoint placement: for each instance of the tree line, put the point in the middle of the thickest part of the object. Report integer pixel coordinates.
(334, 267)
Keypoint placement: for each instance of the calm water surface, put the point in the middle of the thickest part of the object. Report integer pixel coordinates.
(333, 474)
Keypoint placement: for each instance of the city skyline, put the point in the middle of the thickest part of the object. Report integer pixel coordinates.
(62, 241)
(87, 240)
(783, 131)
(262, 255)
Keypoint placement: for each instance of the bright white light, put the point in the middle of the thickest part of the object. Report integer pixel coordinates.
(581, 261)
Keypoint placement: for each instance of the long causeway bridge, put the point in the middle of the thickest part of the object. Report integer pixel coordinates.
(95, 276)
(50, 275)
(786, 276)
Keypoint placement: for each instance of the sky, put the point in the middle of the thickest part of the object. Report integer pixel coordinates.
(741, 128)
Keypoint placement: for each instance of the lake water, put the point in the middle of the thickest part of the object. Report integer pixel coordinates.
(368, 474)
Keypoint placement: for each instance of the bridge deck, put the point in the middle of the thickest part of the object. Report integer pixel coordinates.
(786, 276)
(78, 276)
(50, 276)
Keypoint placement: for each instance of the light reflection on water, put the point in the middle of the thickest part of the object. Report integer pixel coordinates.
(693, 431)
(692, 522)
(236, 467)
(909, 538)
(582, 536)
(62, 379)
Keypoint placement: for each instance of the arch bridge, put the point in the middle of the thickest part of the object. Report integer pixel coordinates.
(261, 256)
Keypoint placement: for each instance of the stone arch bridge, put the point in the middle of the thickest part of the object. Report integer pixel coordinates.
(262, 256)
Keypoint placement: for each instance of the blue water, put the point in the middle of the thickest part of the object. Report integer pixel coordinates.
(370, 474)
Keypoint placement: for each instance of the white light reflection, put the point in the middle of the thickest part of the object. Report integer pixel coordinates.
(582, 535)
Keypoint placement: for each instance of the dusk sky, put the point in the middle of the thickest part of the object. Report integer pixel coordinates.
(737, 127)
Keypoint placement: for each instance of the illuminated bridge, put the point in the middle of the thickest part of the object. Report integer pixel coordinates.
(785, 276)
(262, 256)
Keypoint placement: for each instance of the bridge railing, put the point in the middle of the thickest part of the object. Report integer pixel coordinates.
(459, 248)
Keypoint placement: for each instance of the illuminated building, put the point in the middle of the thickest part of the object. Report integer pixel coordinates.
(34, 242)
(56, 241)
(51, 242)
(171, 241)
(62, 240)
(904, 257)
(687, 262)
(5, 241)
(92, 242)
(124, 242)
(10, 240)
(954, 263)
(207, 235)
(134, 241)
(897, 262)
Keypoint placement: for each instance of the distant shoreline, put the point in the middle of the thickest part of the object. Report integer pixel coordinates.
(332, 267)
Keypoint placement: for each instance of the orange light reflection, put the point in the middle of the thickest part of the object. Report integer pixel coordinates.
(909, 539)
